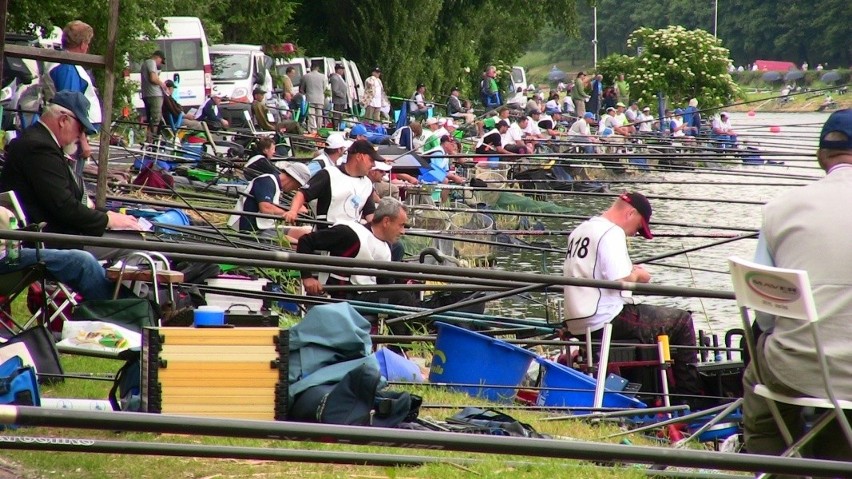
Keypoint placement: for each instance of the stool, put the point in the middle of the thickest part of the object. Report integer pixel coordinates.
(155, 275)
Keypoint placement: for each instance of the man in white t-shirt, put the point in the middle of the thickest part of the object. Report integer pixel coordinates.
(581, 133)
(513, 139)
(645, 120)
(723, 132)
(597, 249)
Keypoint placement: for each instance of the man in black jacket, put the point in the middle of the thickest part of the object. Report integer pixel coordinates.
(43, 178)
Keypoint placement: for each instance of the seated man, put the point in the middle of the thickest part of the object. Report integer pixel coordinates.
(457, 110)
(42, 178)
(210, 113)
(417, 105)
(581, 133)
(77, 269)
(351, 239)
(173, 112)
(597, 249)
(492, 142)
(263, 195)
(723, 131)
(263, 119)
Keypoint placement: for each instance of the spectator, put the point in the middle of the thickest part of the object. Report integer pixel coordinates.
(456, 110)
(418, 108)
(578, 94)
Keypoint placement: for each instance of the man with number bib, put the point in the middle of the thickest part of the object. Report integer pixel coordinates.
(597, 249)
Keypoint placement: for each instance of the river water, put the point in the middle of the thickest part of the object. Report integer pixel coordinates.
(791, 137)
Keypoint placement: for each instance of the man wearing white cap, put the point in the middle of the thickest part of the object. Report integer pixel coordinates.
(723, 131)
(381, 181)
(439, 130)
(263, 195)
(645, 120)
(334, 150)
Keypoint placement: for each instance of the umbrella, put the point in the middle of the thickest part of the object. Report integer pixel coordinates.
(556, 74)
(794, 75)
(830, 77)
(771, 77)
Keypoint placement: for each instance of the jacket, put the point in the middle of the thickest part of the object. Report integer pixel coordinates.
(37, 171)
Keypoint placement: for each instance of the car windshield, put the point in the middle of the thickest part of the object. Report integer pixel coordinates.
(230, 66)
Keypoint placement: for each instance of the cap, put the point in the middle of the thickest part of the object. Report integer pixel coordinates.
(364, 146)
(258, 91)
(336, 140)
(638, 201)
(501, 123)
(382, 166)
(589, 115)
(647, 108)
(339, 66)
(432, 121)
(377, 69)
(455, 88)
(609, 108)
(839, 122)
(421, 85)
(725, 114)
(297, 171)
(170, 84)
(678, 112)
(535, 112)
(358, 130)
(159, 53)
(442, 121)
(620, 104)
(448, 122)
(78, 105)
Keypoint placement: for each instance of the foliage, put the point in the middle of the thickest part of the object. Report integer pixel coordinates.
(681, 63)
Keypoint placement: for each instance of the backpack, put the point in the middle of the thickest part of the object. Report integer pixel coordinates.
(126, 391)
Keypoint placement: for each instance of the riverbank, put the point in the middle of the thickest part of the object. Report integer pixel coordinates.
(769, 101)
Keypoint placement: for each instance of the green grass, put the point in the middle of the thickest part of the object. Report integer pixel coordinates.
(538, 65)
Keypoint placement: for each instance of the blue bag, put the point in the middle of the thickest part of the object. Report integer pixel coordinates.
(18, 383)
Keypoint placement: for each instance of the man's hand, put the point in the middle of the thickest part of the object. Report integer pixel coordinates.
(290, 216)
(118, 221)
(312, 286)
(640, 274)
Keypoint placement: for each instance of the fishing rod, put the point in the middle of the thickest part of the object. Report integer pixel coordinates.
(568, 232)
(569, 216)
(284, 430)
(690, 268)
(696, 248)
(206, 253)
(649, 181)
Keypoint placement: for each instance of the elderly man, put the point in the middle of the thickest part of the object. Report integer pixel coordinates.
(803, 230)
(597, 249)
(313, 86)
(37, 171)
(456, 110)
(339, 94)
(342, 194)
(351, 239)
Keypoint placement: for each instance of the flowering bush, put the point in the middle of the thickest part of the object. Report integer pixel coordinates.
(681, 63)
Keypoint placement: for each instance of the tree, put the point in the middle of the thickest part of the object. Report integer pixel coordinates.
(681, 63)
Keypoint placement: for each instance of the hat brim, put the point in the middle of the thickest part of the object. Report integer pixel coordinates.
(645, 230)
(88, 127)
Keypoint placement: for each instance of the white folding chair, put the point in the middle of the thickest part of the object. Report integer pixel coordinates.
(786, 292)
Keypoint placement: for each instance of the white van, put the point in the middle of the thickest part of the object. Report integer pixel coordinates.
(187, 60)
(238, 69)
(518, 80)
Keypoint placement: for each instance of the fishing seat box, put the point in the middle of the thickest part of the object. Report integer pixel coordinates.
(237, 373)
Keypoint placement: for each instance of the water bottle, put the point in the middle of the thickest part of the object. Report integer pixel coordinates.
(13, 246)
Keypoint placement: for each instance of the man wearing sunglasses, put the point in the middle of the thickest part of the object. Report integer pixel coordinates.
(42, 176)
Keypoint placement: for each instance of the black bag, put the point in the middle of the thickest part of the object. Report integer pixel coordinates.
(355, 401)
(131, 313)
(488, 421)
(40, 345)
(126, 391)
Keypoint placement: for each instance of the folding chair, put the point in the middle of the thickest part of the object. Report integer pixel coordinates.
(786, 292)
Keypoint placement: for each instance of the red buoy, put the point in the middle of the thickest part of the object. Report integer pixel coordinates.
(751, 113)
(775, 129)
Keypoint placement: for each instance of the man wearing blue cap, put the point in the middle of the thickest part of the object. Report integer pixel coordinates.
(804, 230)
(581, 133)
(43, 179)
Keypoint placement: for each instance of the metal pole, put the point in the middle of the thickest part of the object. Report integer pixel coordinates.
(595, 38)
(583, 450)
(715, 17)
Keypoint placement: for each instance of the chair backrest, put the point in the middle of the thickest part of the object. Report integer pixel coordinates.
(778, 291)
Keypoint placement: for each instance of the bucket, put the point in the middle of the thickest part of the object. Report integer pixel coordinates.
(727, 427)
(171, 217)
(465, 357)
(555, 375)
(208, 316)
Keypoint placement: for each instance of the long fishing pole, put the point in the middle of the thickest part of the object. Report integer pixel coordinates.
(649, 181)
(695, 248)
(159, 423)
(215, 253)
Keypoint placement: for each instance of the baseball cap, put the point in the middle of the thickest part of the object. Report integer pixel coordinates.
(159, 53)
(357, 130)
(620, 104)
(647, 108)
(421, 85)
(170, 84)
(336, 140)
(589, 115)
(725, 114)
(501, 123)
(75, 102)
(377, 69)
(258, 91)
(339, 66)
(364, 146)
(432, 120)
(678, 112)
(609, 108)
(297, 171)
(839, 122)
(638, 201)
(382, 166)
(455, 88)
(449, 122)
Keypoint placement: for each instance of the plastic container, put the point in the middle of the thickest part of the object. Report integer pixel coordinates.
(192, 151)
(727, 427)
(171, 217)
(225, 301)
(555, 375)
(206, 316)
(465, 357)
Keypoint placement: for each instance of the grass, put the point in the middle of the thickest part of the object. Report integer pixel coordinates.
(538, 65)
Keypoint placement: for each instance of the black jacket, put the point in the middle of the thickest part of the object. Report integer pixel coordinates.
(37, 171)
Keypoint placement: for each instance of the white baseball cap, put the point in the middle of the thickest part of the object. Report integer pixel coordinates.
(431, 121)
(336, 140)
(382, 166)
